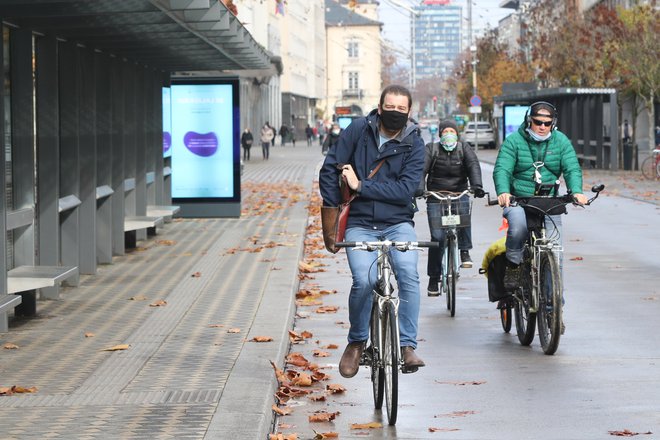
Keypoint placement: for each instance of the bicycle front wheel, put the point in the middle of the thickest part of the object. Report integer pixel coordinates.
(377, 373)
(649, 168)
(391, 351)
(452, 275)
(525, 318)
(550, 307)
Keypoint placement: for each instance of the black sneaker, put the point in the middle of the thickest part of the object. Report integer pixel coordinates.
(511, 279)
(466, 261)
(433, 289)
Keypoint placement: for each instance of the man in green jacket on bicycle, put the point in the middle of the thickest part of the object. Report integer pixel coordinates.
(537, 153)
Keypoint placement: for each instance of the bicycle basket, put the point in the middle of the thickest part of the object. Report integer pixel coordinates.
(440, 217)
(536, 207)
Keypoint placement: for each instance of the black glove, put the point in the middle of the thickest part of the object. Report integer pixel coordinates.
(479, 192)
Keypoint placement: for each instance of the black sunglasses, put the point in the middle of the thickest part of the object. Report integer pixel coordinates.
(546, 123)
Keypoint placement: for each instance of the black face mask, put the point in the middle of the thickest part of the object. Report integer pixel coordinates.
(393, 120)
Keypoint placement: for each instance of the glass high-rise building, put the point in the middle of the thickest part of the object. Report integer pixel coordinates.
(437, 38)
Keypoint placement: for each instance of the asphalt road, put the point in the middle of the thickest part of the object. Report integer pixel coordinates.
(479, 382)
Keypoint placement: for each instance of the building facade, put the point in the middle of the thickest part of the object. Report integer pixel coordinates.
(436, 38)
(353, 43)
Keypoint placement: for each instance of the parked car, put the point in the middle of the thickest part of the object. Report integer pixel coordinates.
(483, 135)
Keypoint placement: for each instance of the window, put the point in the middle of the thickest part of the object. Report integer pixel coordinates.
(353, 78)
(353, 51)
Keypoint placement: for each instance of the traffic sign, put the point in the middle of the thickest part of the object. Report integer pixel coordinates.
(475, 101)
(474, 109)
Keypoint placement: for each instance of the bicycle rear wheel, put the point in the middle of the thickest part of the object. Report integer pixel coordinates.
(391, 351)
(377, 373)
(525, 319)
(550, 307)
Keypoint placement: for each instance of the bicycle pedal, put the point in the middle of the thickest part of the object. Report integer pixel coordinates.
(408, 370)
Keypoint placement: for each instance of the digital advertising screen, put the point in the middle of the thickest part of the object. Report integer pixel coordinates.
(167, 123)
(514, 115)
(205, 135)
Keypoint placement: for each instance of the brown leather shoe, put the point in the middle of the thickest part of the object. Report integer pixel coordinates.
(411, 362)
(350, 360)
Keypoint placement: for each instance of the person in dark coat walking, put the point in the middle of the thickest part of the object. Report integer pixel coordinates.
(246, 142)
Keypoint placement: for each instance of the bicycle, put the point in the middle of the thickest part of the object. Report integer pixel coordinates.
(651, 165)
(539, 297)
(455, 213)
(383, 354)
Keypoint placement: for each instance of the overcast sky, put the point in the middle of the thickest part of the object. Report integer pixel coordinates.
(485, 13)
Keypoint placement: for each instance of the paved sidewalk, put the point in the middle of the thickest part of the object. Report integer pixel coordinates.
(190, 369)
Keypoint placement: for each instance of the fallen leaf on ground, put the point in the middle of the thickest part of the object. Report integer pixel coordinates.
(261, 339)
(16, 389)
(196, 275)
(335, 388)
(138, 298)
(89, 335)
(317, 397)
(331, 347)
(457, 414)
(10, 346)
(117, 347)
(627, 433)
(234, 330)
(327, 309)
(320, 353)
(322, 416)
(166, 242)
(322, 435)
(469, 382)
(577, 259)
(280, 436)
(158, 303)
(302, 379)
(216, 325)
(282, 410)
(297, 359)
(443, 429)
(370, 425)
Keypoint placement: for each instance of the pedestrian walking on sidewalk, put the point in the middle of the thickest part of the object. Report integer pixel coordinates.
(309, 134)
(246, 142)
(449, 165)
(383, 209)
(284, 134)
(331, 139)
(266, 138)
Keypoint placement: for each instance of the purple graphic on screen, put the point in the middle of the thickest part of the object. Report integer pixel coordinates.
(201, 144)
(167, 141)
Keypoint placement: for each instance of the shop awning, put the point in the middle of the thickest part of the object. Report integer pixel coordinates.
(171, 35)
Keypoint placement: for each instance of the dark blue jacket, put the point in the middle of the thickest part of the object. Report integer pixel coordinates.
(388, 198)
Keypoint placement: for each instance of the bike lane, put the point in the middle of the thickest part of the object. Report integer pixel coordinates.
(480, 382)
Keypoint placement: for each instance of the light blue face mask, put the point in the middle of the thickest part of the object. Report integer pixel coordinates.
(449, 141)
(537, 137)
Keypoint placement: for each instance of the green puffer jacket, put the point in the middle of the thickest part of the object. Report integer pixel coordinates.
(514, 172)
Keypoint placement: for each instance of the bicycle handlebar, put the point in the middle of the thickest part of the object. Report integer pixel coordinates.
(566, 198)
(447, 195)
(399, 245)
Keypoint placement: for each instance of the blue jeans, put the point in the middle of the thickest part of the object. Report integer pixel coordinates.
(364, 271)
(464, 235)
(517, 233)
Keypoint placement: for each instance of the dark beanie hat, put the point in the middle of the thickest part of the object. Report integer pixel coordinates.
(445, 124)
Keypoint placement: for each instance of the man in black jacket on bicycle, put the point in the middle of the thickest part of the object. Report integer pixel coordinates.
(383, 210)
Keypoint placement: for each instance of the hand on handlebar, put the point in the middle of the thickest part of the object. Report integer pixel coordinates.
(479, 193)
(504, 199)
(581, 199)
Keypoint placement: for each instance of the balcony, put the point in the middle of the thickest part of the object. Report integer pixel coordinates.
(352, 93)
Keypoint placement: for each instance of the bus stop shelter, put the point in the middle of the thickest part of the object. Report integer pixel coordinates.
(588, 116)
